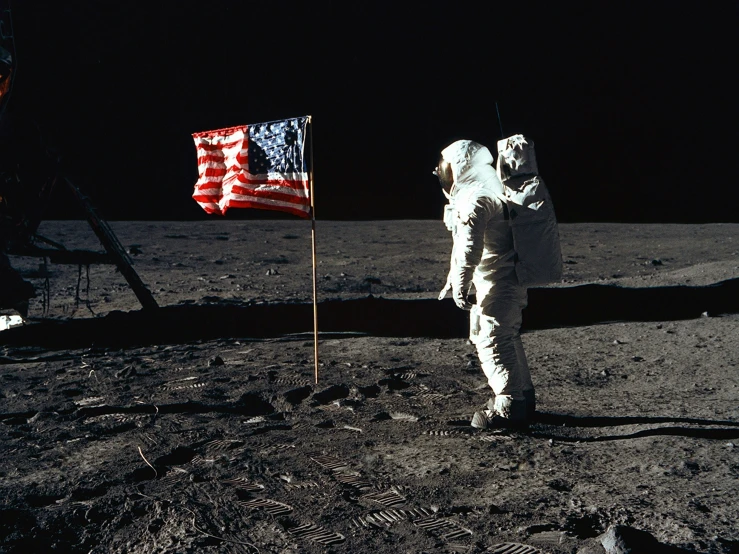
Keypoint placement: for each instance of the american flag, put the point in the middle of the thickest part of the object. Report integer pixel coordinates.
(254, 166)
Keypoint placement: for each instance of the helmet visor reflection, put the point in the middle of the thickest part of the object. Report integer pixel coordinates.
(444, 173)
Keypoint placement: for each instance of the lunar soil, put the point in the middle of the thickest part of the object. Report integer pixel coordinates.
(195, 435)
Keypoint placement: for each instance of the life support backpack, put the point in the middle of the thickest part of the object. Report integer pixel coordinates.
(531, 213)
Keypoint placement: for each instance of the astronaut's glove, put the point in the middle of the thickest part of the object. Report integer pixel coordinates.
(446, 290)
(461, 300)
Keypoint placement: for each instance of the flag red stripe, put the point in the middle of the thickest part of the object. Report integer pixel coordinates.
(214, 172)
(250, 181)
(213, 179)
(291, 201)
(218, 146)
(240, 167)
(206, 198)
(220, 132)
(210, 207)
(218, 158)
(257, 195)
(272, 195)
(259, 205)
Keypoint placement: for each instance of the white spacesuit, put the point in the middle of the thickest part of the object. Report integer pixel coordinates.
(483, 258)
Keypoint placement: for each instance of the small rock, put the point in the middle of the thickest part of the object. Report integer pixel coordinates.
(705, 314)
(622, 539)
(272, 272)
(216, 361)
(656, 261)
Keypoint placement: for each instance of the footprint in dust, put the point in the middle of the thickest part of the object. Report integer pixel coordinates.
(394, 383)
(334, 392)
(296, 396)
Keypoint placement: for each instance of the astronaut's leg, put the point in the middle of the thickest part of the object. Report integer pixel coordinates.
(501, 353)
(529, 393)
(497, 352)
(527, 386)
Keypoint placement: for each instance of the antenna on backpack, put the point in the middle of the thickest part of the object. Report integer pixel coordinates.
(500, 124)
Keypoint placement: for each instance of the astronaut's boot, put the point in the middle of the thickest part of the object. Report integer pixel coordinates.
(505, 413)
(491, 403)
(529, 397)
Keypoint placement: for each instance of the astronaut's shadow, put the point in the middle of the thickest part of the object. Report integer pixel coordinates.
(684, 427)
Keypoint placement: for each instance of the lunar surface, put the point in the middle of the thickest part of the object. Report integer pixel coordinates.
(201, 426)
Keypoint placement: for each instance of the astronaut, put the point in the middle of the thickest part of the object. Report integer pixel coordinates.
(482, 279)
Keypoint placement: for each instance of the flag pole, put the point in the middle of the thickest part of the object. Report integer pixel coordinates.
(313, 250)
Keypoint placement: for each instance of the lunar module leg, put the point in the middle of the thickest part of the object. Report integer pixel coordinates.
(114, 248)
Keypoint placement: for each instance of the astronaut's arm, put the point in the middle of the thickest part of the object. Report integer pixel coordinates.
(448, 285)
(469, 241)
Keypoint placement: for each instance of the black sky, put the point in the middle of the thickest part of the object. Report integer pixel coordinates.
(631, 104)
